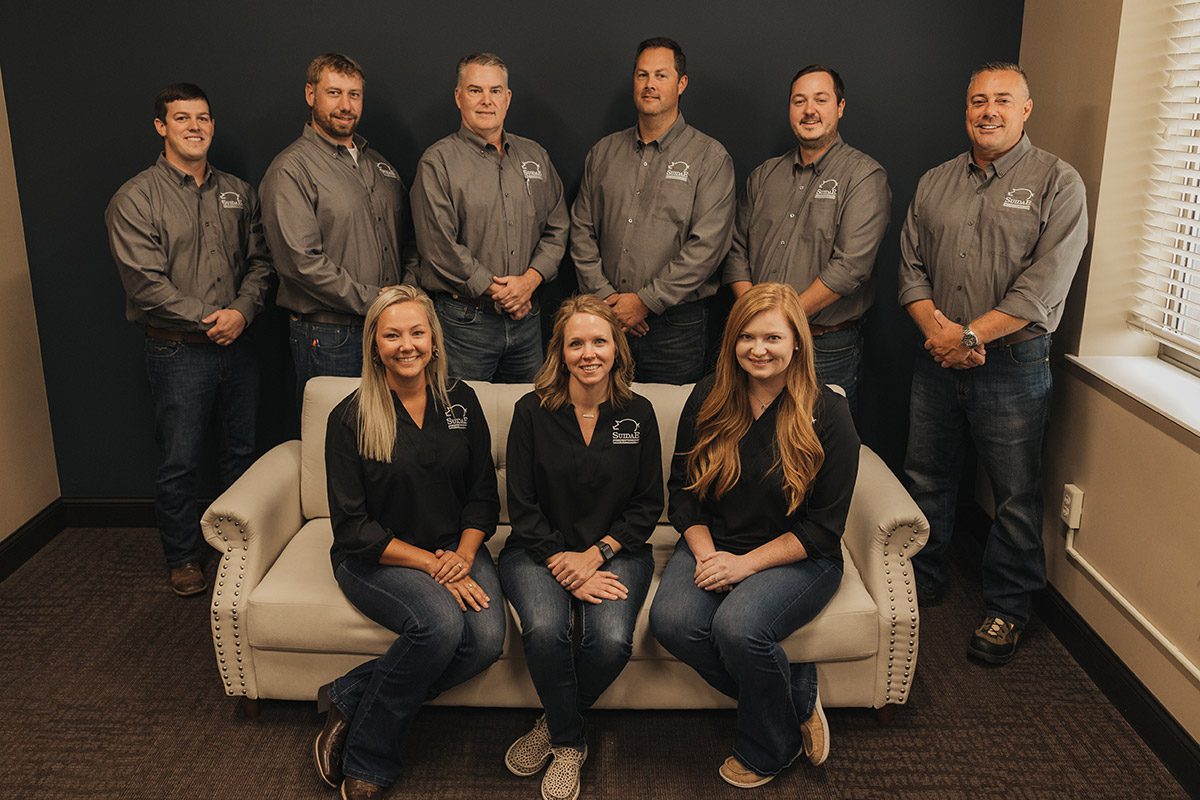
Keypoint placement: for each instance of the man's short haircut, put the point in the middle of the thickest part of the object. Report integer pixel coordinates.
(177, 91)
(669, 44)
(1000, 66)
(839, 88)
(479, 60)
(335, 62)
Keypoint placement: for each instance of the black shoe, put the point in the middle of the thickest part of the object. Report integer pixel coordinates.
(995, 641)
(327, 747)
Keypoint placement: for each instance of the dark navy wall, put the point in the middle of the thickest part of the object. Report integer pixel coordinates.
(80, 82)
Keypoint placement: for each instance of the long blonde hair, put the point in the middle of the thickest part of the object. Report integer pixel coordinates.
(713, 464)
(376, 409)
(552, 379)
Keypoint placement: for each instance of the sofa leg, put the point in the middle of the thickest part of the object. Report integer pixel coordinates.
(249, 707)
(885, 714)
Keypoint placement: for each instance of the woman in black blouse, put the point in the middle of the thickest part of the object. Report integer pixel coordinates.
(760, 484)
(412, 497)
(584, 493)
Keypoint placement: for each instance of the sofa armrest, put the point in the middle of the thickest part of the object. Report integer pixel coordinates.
(884, 530)
(250, 524)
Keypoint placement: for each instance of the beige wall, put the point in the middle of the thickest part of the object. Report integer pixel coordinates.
(30, 476)
(1139, 471)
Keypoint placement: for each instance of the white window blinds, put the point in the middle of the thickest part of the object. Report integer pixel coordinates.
(1167, 298)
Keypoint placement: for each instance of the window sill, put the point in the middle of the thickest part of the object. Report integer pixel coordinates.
(1164, 389)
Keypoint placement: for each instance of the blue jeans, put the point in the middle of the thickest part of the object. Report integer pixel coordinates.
(438, 646)
(838, 358)
(673, 350)
(319, 348)
(568, 681)
(732, 640)
(1003, 406)
(186, 380)
(489, 347)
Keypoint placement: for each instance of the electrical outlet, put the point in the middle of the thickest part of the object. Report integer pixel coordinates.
(1072, 506)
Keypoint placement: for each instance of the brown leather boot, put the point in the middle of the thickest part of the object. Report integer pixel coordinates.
(327, 747)
(187, 580)
(354, 789)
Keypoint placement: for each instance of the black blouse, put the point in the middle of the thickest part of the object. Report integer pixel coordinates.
(565, 495)
(754, 511)
(441, 479)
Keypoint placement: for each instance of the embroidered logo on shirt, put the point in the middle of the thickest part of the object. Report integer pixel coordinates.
(626, 431)
(678, 171)
(387, 170)
(826, 190)
(232, 200)
(1019, 198)
(532, 170)
(456, 417)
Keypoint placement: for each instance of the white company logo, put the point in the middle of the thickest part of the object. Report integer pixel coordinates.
(532, 171)
(387, 170)
(1019, 198)
(232, 200)
(626, 431)
(826, 190)
(456, 417)
(678, 171)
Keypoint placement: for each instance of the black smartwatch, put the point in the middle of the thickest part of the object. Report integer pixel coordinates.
(606, 552)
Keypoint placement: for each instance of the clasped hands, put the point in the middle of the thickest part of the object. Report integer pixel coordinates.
(631, 311)
(514, 293)
(720, 571)
(226, 324)
(452, 569)
(946, 347)
(580, 574)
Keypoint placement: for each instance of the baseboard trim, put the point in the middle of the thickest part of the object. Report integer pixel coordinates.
(1161, 732)
(25, 542)
(108, 512)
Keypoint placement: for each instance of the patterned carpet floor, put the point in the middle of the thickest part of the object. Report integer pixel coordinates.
(110, 691)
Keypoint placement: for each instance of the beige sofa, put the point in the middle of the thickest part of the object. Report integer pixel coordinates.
(281, 627)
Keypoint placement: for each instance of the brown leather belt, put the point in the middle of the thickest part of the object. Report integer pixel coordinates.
(190, 337)
(821, 330)
(1023, 335)
(331, 318)
(484, 303)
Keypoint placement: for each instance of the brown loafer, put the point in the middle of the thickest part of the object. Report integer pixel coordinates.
(354, 789)
(187, 580)
(327, 748)
(735, 773)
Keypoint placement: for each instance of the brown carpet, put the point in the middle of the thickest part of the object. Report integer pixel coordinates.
(109, 690)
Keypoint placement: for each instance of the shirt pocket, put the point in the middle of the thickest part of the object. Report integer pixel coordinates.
(673, 202)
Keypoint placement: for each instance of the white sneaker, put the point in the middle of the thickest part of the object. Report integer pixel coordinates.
(561, 781)
(527, 755)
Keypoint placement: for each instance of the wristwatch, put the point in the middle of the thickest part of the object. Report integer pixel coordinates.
(969, 339)
(606, 552)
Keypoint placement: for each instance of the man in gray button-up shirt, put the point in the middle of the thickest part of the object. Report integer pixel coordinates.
(653, 220)
(491, 226)
(188, 244)
(336, 217)
(813, 218)
(989, 247)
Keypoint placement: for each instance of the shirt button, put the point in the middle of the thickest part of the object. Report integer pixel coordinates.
(630, 220)
(207, 224)
(506, 194)
(792, 215)
(637, 193)
(970, 223)
(624, 249)
(210, 252)
(645, 163)
(512, 252)
(962, 255)
(782, 242)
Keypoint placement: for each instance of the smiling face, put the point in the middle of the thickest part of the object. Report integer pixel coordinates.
(998, 104)
(336, 101)
(482, 97)
(588, 349)
(404, 343)
(187, 132)
(765, 348)
(656, 84)
(814, 111)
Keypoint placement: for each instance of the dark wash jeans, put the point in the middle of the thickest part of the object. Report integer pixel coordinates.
(490, 347)
(838, 359)
(437, 647)
(673, 350)
(732, 640)
(1003, 406)
(320, 348)
(186, 380)
(570, 681)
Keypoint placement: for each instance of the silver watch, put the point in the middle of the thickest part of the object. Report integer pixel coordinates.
(969, 339)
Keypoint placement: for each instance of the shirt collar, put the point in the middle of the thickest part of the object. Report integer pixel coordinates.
(179, 176)
(310, 133)
(477, 142)
(1005, 162)
(665, 140)
(819, 165)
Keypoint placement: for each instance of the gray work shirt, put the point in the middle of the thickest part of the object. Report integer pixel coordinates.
(1008, 237)
(653, 218)
(478, 212)
(338, 230)
(798, 223)
(184, 251)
